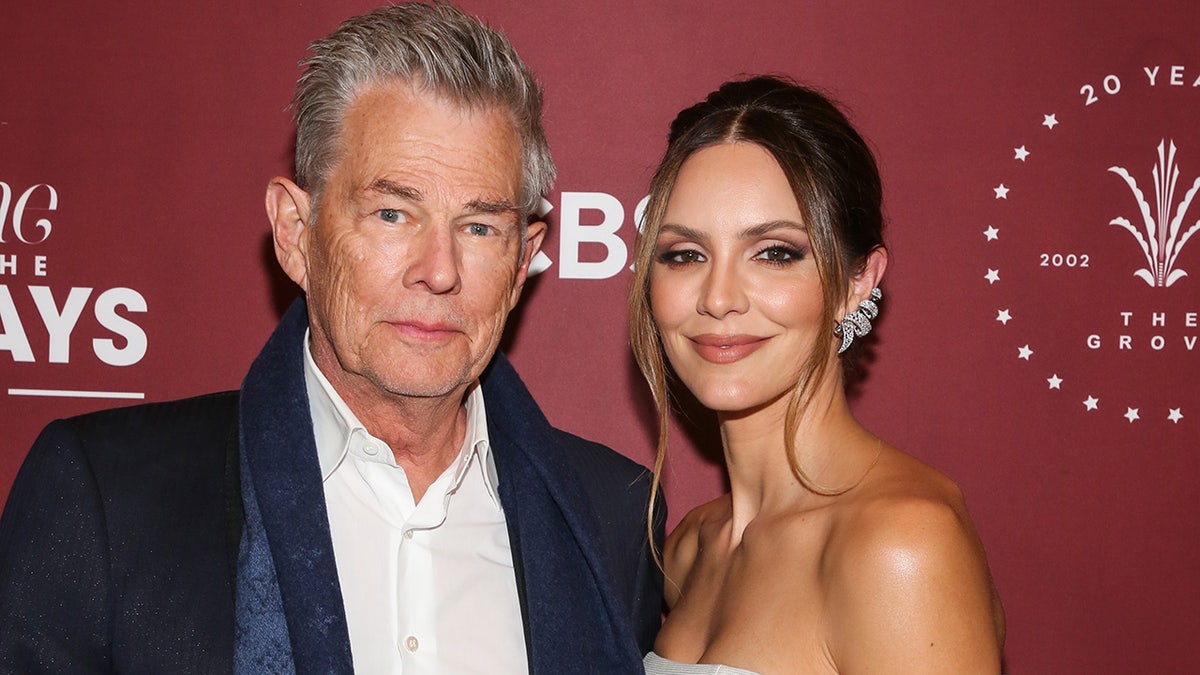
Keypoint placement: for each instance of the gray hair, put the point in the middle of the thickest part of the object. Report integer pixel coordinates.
(438, 47)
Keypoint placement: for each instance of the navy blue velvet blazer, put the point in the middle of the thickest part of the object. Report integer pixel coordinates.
(118, 544)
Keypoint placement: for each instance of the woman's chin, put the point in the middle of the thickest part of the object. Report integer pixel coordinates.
(738, 401)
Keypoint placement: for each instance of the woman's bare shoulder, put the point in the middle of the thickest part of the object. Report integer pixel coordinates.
(904, 505)
(682, 545)
(907, 577)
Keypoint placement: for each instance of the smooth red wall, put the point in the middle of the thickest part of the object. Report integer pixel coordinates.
(152, 131)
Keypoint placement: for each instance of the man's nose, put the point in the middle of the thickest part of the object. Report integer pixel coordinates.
(434, 260)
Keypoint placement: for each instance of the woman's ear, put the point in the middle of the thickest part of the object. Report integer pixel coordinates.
(288, 211)
(869, 278)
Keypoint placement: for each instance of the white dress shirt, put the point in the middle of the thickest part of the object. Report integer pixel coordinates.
(429, 587)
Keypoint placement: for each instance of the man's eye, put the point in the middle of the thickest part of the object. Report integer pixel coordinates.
(479, 229)
(391, 215)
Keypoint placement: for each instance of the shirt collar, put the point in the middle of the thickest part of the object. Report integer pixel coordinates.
(335, 427)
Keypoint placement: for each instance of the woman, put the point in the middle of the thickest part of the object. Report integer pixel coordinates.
(758, 265)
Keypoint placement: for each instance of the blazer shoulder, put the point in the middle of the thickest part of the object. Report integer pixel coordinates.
(120, 530)
(197, 414)
(182, 432)
(619, 490)
(143, 455)
(617, 487)
(600, 464)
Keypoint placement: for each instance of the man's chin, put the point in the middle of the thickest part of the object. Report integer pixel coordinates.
(430, 385)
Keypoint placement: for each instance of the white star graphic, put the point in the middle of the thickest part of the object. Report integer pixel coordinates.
(1022, 153)
(992, 233)
(1049, 121)
(992, 276)
(1024, 352)
(1003, 316)
(1001, 192)
(1091, 402)
(1131, 414)
(540, 263)
(1175, 415)
(1055, 381)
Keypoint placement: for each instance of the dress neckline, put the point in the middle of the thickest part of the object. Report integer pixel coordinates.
(658, 665)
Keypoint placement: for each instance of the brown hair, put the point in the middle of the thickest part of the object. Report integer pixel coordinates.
(835, 181)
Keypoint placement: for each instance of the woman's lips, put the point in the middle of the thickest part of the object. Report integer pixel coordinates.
(726, 348)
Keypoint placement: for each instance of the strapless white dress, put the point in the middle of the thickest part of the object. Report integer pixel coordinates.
(657, 665)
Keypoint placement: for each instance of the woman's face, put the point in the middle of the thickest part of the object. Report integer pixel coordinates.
(734, 287)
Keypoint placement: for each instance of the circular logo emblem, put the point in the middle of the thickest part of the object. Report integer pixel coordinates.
(1090, 244)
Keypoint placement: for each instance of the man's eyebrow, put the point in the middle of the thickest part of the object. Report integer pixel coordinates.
(412, 194)
(388, 187)
(487, 206)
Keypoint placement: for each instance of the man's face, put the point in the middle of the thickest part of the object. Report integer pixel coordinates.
(414, 258)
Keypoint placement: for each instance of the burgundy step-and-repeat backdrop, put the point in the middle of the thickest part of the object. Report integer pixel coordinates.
(1042, 310)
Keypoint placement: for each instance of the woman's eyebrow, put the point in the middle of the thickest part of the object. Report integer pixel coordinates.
(682, 231)
(770, 226)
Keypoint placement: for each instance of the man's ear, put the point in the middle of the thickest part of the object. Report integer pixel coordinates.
(870, 277)
(535, 233)
(288, 209)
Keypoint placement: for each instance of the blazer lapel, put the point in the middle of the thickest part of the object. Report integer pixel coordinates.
(279, 448)
(573, 620)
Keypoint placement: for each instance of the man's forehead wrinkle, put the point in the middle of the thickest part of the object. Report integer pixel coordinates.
(483, 204)
(399, 142)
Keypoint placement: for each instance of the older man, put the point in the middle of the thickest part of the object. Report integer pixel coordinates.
(382, 494)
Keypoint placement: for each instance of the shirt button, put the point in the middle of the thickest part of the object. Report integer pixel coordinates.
(411, 643)
(408, 534)
(371, 450)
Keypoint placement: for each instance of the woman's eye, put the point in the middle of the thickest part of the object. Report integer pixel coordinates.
(391, 215)
(779, 254)
(681, 257)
